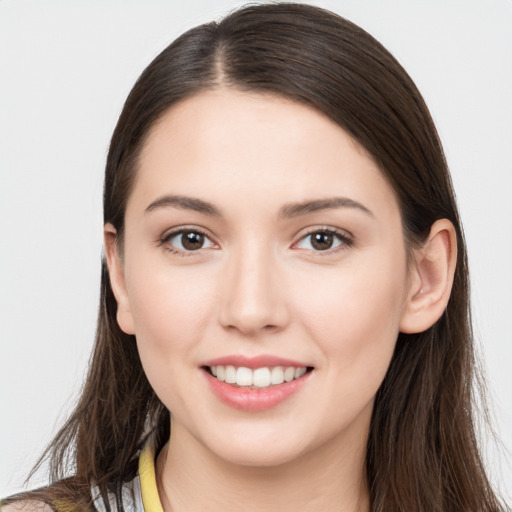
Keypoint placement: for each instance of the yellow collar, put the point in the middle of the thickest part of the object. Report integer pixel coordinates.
(148, 487)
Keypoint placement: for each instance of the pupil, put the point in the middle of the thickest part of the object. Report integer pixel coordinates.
(192, 241)
(322, 241)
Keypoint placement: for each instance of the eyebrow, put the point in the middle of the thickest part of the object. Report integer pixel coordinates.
(288, 211)
(184, 203)
(298, 209)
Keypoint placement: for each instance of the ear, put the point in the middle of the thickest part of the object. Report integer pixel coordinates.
(431, 278)
(117, 279)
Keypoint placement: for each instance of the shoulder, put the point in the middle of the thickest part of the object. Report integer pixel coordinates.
(25, 506)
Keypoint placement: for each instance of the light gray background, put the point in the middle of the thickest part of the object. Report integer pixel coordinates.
(65, 70)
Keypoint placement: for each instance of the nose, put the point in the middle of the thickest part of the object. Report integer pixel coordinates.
(253, 295)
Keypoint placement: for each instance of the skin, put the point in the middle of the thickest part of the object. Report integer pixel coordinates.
(259, 286)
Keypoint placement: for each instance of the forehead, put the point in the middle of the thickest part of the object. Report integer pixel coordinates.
(228, 144)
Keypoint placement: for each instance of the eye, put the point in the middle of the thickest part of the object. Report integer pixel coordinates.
(187, 240)
(323, 240)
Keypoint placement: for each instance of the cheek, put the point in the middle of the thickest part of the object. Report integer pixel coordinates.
(170, 310)
(354, 314)
(165, 299)
(352, 300)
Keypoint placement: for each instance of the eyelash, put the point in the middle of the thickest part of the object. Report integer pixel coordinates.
(344, 239)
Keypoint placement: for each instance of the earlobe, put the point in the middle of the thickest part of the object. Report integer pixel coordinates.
(117, 279)
(431, 278)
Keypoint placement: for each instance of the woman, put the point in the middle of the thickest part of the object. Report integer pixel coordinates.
(284, 309)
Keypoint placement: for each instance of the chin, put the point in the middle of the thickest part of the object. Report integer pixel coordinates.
(262, 449)
(257, 457)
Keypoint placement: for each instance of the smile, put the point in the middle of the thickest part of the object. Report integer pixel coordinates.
(256, 378)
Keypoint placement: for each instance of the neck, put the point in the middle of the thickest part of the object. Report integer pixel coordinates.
(190, 478)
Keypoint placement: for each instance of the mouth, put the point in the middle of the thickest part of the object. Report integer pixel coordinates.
(258, 383)
(256, 378)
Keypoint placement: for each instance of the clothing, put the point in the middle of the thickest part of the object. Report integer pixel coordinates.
(137, 495)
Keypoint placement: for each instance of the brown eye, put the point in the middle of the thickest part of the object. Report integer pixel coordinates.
(189, 240)
(323, 240)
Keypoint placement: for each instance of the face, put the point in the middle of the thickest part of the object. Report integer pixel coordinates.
(263, 245)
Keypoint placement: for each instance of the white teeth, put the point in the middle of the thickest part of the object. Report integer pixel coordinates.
(259, 377)
(277, 376)
(289, 374)
(230, 374)
(244, 376)
(299, 372)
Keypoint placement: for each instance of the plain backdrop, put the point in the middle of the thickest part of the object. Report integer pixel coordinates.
(65, 70)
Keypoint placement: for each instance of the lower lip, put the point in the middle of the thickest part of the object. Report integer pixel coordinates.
(255, 400)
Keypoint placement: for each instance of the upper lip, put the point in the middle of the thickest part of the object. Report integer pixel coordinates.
(260, 361)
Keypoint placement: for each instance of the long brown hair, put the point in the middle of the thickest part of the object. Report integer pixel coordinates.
(422, 452)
